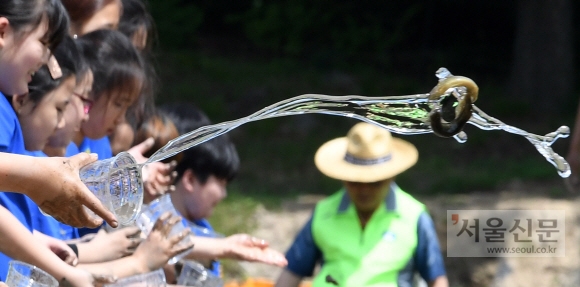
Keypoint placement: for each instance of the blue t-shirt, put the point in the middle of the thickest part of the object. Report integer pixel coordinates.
(427, 260)
(71, 149)
(22, 207)
(101, 147)
(12, 141)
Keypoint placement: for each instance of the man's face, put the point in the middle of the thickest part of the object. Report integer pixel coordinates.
(367, 196)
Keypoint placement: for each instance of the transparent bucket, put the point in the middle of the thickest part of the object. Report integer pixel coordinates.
(117, 183)
(22, 274)
(151, 279)
(194, 274)
(152, 211)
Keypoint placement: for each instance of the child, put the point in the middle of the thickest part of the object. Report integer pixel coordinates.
(137, 24)
(91, 15)
(203, 174)
(39, 113)
(27, 30)
(161, 129)
(118, 80)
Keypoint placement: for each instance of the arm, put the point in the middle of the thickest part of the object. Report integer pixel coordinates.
(288, 279)
(440, 281)
(109, 246)
(239, 247)
(17, 242)
(151, 255)
(53, 183)
(58, 247)
(302, 257)
(428, 257)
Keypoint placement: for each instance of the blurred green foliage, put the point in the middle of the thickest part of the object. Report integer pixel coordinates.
(233, 58)
(177, 22)
(277, 154)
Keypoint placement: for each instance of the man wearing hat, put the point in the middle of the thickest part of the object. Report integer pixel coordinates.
(370, 233)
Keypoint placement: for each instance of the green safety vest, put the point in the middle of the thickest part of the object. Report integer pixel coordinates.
(371, 257)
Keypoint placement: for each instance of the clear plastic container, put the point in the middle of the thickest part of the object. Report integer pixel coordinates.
(22, 274)
(194, 274)
(117, 183)
(153, 211)
(151, 279)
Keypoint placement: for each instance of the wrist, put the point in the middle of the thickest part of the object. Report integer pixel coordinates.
(226, 250)
(29, 177)
(139, 262)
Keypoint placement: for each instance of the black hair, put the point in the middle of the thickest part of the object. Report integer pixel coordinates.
(82, 10)
(161, 128)
(71, 63)
(135, 17)
(217, 157)
(116, 65)
(26, 15)
(185, 116)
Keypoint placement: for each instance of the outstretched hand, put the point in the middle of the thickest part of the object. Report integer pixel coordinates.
(249, 248)
(58, 190)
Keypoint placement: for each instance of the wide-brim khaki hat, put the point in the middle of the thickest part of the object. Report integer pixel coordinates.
(367, 154)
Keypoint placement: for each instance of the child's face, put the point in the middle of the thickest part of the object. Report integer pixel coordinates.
(204, 197)
(106, 113)
(39, 121)
(21, 55)
(106, 18)
(74, 114)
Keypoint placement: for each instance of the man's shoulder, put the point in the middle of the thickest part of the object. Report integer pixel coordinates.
(408, 200)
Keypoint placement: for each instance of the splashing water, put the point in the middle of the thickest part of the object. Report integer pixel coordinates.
(406, 115)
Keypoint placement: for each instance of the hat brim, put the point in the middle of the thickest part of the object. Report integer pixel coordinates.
(329, 159)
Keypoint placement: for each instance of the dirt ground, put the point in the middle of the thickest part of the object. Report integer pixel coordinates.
(280, 228)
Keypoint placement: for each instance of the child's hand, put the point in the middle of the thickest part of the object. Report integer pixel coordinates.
(158, 248)
(58, 247)
(112, 245)
(158, 177)
(81, 278)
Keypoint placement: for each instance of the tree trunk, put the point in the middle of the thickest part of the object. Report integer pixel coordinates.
(543, 67)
